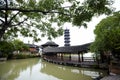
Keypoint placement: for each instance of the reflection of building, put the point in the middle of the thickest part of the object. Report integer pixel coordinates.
(70, 73)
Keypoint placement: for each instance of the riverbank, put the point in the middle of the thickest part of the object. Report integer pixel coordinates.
(3, 59)
(111, 77)
(23, 56)
(18, 56)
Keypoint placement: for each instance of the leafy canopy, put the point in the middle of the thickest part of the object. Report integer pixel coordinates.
(107, 34)
(19, 45)
(30, 18)
(10, 46)
(6, 47)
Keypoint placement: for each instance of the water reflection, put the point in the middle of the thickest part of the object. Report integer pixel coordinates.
(35, 69)
(9, 70)
(70, 73)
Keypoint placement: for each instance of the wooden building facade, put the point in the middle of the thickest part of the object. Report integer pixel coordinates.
(64, 55)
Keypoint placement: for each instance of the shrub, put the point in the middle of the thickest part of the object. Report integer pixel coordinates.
(23, 56)
(4, 55)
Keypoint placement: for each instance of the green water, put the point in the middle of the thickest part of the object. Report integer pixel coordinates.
(36, 69)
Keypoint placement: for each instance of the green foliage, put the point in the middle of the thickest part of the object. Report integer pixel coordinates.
(10, 46)
(3, 55)
(99, 6)
(20, 56)
(19, 1)
(6, 47)
(82, 16)
(107, 34)
(23, 56)
(33, 17)
(19, 45)
(90, 8)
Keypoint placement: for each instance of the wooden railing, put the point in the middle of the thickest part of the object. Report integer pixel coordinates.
(88, 62)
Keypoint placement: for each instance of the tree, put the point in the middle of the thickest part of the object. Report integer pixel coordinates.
(28, 17)
(10, 46)
(108, 35)
(19, 45)
(6, 47)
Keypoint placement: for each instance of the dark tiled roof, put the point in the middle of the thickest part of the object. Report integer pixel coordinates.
(32, 45)
(68, 49)
(50, 43)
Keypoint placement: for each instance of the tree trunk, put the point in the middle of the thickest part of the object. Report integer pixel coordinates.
(102, 57)
(2, 31)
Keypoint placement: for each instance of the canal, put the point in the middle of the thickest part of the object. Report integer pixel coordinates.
(37, 69)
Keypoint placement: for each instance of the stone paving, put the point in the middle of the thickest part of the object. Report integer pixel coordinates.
(114, 77)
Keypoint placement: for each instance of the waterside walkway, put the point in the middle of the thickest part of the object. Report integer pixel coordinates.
(114, 77)
(72, 62)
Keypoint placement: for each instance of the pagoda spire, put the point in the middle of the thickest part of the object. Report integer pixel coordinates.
(66, 37)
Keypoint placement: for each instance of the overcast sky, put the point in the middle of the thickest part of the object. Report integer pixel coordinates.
(80, 35)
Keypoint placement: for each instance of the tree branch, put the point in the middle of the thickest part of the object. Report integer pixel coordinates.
(20, 22)
(28, 10)
(13, 17)
(2, 12)
(6, 11)
(1, 20)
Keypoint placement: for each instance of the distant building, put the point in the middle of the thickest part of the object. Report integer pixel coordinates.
(49, 43)
(66, 37)
(33, 48)
(51, 52)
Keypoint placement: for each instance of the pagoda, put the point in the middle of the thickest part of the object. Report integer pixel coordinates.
(66, 37)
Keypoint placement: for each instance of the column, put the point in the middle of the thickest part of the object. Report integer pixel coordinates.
(82, 57)
(70, 57)
(78, 57)
(61, 56)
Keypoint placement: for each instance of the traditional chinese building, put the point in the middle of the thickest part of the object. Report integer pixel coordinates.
(52, 52)
(66, 37)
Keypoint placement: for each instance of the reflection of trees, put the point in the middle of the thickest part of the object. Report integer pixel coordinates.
(70, 73)
(11, 69)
